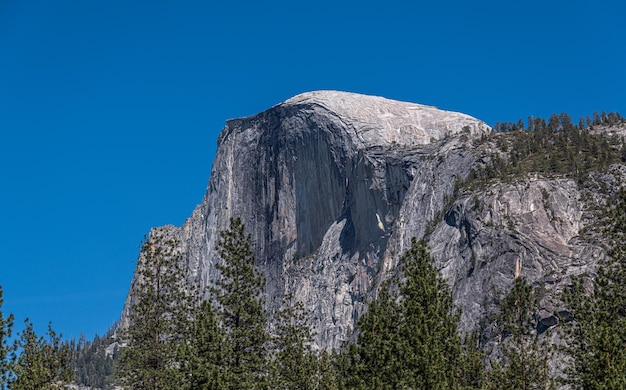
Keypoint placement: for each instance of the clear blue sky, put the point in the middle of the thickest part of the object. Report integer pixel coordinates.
(110, 110)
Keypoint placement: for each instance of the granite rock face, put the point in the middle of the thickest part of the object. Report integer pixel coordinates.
(332, 186)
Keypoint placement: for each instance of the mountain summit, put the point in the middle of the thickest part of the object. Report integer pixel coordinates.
(376, 121)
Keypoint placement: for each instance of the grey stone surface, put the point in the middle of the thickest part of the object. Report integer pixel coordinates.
(332, 186)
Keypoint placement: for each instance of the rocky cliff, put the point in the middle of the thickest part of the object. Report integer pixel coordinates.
(332, 186)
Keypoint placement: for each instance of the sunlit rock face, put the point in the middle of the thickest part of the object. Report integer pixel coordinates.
(332, 186)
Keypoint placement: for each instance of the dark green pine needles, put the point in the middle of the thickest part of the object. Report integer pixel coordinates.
(241, 309)
(410, 339)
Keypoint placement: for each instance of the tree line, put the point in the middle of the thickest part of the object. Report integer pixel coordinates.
(32, 361)
(553, 146)
(408, 338)
(93, 361)
(181, 337)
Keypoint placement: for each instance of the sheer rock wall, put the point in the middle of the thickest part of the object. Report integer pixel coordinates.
(332, 186)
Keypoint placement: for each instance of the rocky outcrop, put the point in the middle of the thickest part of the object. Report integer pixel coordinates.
(332, 186)
(530, 228)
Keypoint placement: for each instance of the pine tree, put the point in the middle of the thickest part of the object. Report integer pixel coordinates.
(470, 370)
(432, 348)
(375, 362)
(43, 363)
(241, 310)
(597, 334)
(92, 363)
(6, 327)
(159, 319)
(295, 364)
(205, 350)
(327, 370)
(410, 339)
(524, 362)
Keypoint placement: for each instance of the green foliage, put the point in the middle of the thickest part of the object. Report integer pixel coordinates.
(410, 339)
(205, 356)
(553, 147)
(376, 361)
(159, 319)
(294, 365)
(91, 363)
(239, 295)
(470, 370)
(597, 334)
(220, 343)
(43, 363)
(328, 371)
(6, 327)
(524, 362)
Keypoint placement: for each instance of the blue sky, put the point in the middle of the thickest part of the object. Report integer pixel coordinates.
(110, 110)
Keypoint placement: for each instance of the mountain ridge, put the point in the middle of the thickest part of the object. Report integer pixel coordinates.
(332, 195)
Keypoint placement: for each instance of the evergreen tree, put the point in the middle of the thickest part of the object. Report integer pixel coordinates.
(239, 295)
(524, 362)
(6, 327)
(92, 364)
(327, 370)
(159, 319)
(295, 364)
(205, 350)
(375, 362)
(470, 370)
(43, 363)
(433, 350)
(410, 339)
(597, 334)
